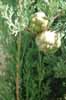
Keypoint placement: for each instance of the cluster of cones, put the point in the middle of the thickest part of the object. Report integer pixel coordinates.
(47, 41)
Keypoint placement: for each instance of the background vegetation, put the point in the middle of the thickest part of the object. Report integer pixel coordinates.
(39, 76)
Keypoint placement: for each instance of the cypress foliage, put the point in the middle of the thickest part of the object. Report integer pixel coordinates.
(30, 74)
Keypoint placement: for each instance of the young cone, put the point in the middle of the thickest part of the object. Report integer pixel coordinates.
(48, 41)
(38, 22)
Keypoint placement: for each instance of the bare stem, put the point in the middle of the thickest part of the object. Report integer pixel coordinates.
(18, 66)
(19, 6)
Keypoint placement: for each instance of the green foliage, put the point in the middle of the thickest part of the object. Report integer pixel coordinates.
(42, 77)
